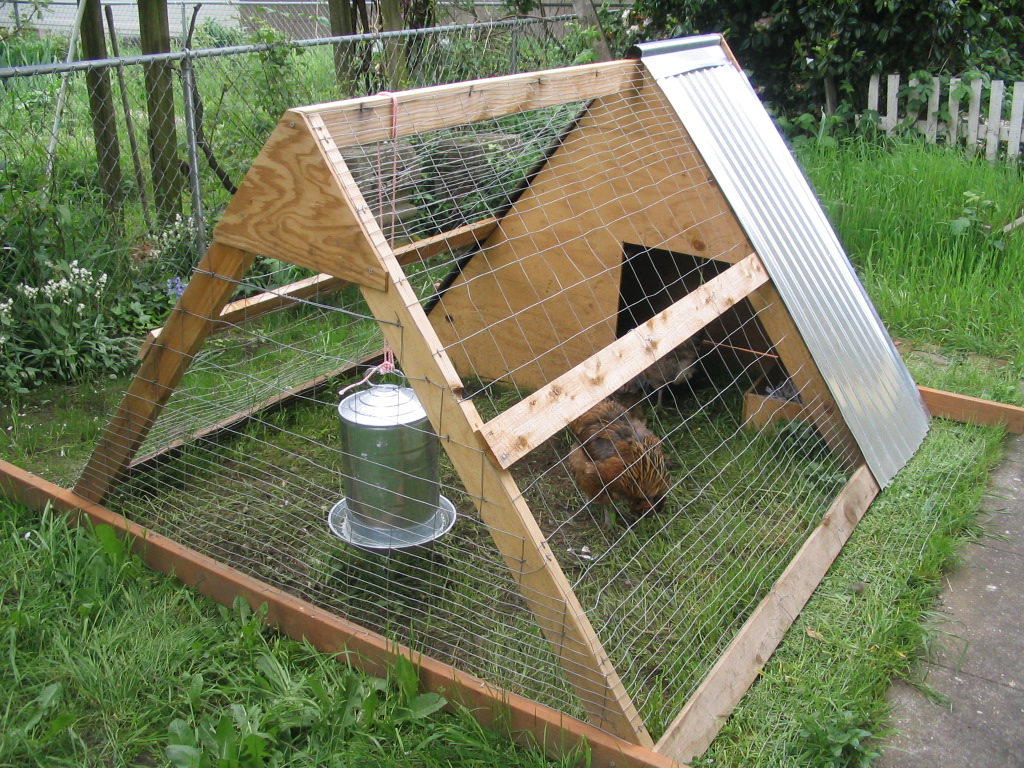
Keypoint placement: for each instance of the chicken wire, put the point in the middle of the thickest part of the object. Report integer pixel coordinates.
(245, 462)
(125, 164)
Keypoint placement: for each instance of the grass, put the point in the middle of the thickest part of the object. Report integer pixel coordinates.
(824, 688)
(867, 621)
(109, 664)
(924, 227)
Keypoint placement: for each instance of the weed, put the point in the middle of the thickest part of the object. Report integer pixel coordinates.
(54, 329)
(109, 664)
(836, 741)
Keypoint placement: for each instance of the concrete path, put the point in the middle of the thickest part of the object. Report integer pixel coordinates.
(978, 669)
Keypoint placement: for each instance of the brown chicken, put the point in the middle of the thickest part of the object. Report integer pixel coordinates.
(618, 457)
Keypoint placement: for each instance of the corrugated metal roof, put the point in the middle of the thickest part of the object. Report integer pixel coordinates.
(800, 250)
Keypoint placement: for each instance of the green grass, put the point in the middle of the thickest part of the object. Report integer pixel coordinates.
(866, 623)
(109, 664)
(949, 288)
(923, 226)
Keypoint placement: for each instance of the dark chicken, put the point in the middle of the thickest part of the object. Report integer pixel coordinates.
(677, 367)
(618, 457)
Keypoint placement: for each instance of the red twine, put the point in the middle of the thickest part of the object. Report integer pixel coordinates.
(387, 365)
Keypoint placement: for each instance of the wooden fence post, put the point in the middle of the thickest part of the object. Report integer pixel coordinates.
(155, 35)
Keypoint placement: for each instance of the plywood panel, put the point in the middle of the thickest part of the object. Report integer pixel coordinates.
(290, 207)
(628, 173)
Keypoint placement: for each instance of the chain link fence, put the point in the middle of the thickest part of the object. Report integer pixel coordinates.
(113, 171)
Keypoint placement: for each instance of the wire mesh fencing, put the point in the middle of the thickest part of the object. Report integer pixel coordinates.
(118, 168)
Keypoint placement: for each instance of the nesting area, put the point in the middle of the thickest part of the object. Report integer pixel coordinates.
(639, 348)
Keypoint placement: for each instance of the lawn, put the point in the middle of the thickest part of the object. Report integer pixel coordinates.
(200, 683)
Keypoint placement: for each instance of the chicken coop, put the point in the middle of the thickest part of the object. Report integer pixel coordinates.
(648, 389)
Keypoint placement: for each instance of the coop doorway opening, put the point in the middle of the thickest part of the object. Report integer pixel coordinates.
(733, 348)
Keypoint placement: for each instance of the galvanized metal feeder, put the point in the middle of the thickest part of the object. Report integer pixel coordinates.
(391, 472)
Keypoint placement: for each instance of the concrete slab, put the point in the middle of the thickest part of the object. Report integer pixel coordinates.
(977, 668)
(983, 603)
(981, 725)
(1004, 501)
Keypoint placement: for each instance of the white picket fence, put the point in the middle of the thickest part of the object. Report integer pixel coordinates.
(973, 123)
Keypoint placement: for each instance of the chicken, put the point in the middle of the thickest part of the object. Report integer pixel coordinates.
(677, 367)
(618, 457)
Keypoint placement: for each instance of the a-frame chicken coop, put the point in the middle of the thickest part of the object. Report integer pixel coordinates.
(527, 247)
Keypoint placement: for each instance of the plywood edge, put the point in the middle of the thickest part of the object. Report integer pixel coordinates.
(520, 429)
(704, 714)
(973, 410)
(528, 721)
(370, 119)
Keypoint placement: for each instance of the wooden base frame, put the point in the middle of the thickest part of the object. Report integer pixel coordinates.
(525, 720)
(690, 733)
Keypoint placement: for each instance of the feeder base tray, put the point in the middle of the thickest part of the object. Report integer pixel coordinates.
(359, 534)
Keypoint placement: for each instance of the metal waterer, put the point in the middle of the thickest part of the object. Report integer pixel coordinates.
(391, 472)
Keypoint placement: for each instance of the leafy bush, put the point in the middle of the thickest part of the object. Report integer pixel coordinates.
(802, 53)
(837, 741)
(56, 329)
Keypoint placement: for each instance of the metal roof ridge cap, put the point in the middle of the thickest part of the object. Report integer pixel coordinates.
(668, 58)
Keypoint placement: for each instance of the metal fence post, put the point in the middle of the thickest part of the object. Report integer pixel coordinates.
(513, 54)
(192, 148)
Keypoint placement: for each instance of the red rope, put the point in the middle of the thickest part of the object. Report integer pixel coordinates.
(387, 365)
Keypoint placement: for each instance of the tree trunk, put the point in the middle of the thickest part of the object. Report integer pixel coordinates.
(394, 50)
(163, 139)
(831, 96)
(584, 10)
(101, 102)
(342, 18)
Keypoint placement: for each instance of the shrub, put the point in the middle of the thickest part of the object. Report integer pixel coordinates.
(56, 329)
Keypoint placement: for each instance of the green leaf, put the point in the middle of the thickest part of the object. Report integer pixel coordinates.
(421, 706)
(407, 677)
(183, 756)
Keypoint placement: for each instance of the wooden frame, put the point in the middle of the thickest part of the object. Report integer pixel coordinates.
(279, 211)
(527, 721)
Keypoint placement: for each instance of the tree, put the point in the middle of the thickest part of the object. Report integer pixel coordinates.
(802, 54)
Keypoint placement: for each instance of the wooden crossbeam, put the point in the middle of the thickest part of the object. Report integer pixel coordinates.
(254, 307)
(460, 237)
(246, 310)
(518, 430)
(370, 119)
